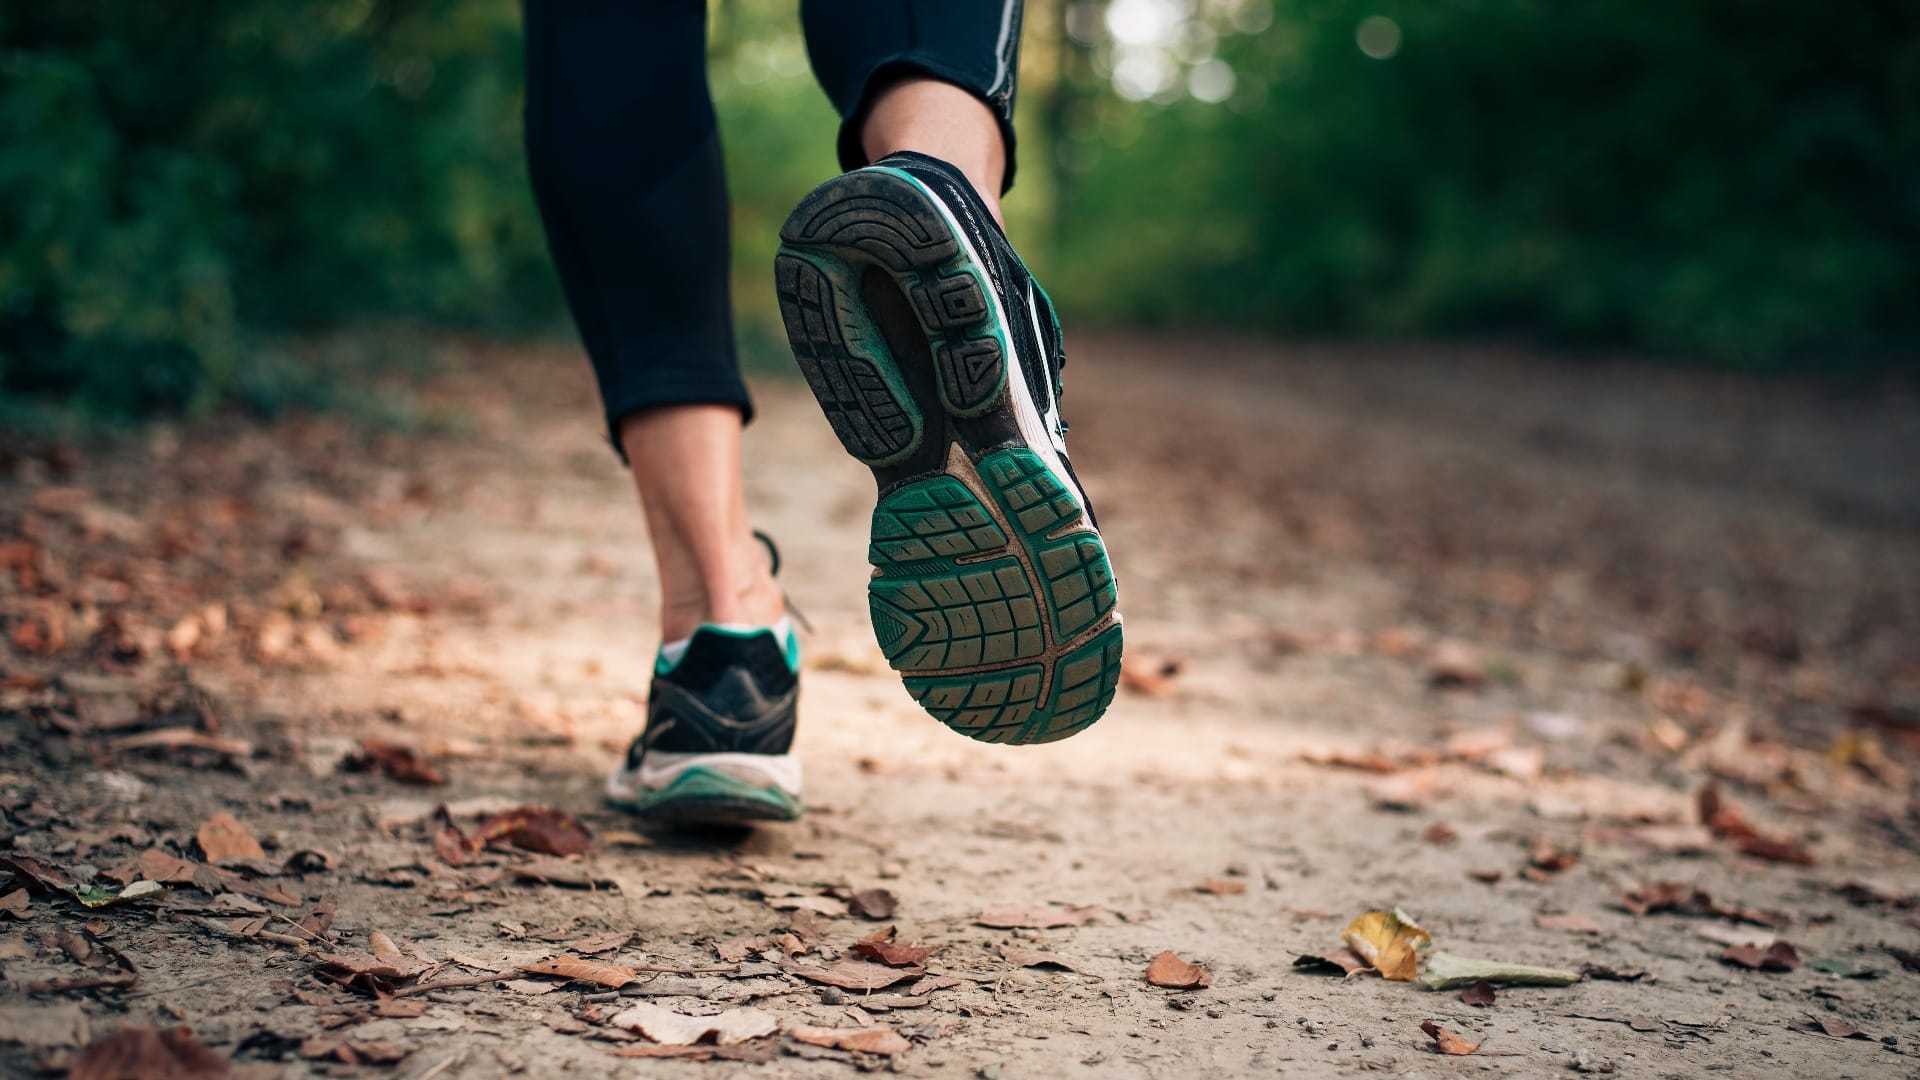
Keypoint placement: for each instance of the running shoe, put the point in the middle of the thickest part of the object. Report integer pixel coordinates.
(718, 746)
(937, 359)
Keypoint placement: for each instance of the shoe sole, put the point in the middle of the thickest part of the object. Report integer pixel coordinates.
(702, 796)
(992, 595)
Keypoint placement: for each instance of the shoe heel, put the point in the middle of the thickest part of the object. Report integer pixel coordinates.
(844, 358)
(885, 218)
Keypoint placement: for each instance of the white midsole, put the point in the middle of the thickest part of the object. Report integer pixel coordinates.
(1032, 428)
(658, 770)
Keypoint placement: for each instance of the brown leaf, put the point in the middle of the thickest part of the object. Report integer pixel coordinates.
(1174, 973)
(854, 974)
(1486, 877)
(1832, 1029)
(1546, 855)
(671, 1028)
(1219, 887)
(1342, 960)
(397, 761)
(607, 941)
(17, 905)
(1729, 822)
(1779, 956)
(1480, 993)
(1446, 1042)
(181, 738)
(37, 875)
(880, 946)
(1388, 940)
(545, 829)
(1669, 896)
(1406, 792)
(223, 839)
(612, 976)
(1570, 923)
(1439, 834)
(1036, 958)
(873, 904)
(1034, 916)
(136, 1052)
(870, 1040)
(1148, 676)
(1612, 974)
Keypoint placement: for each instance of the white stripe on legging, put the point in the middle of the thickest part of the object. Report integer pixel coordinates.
(1001, 73)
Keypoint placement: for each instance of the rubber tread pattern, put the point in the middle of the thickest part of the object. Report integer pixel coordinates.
(880, 218)
(845, 363)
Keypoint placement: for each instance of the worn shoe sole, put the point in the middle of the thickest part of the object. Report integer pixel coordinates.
(992, 594)
(710, 789)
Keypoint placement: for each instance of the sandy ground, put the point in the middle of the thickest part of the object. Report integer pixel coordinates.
(1394, 620)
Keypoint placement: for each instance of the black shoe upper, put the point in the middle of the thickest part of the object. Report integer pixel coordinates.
(728, 694)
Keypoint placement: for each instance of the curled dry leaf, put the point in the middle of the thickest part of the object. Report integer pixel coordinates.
(137, 1051)
(1726, 820)
(880, 946)
(223, 839)
(869, 1040)
(678, 1029)
(1445, 971)
(1479, 994)
(1221, 887)
(544, 829)
(873, 904)
(1148, 676)
(854, 974)
(397, 761)
(1608, 973)
(1439, 834)
(1390, 941)
(1779, 956)
(1669, 896)
(1036, 958)
(1446, 1042)
(1832, 1029)
(1174, 973)
(1570, 923)
(612, 976)
(1034, 916)
(1342, 961)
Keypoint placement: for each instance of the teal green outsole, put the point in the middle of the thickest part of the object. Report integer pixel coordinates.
(702, 796)
(1002, 629)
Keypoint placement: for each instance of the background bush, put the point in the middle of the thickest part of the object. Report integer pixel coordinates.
(1728, 181)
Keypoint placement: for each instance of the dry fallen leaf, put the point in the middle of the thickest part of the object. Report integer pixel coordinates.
(1570, 923)
(1670, 896)
(1832, 1029)
(1221, 887)
(870, 1040)
(873, 904)
(396, 761)
(1390, 941)
(1342, 960)
(855, 974)
(1729, 822)
(1612, 974)
(1779, 956)
(544, 829)
(1036, 958)
(612, 976)
(1439, 834)
(1174, 973)
(678, 1029)
(880, 946)
(223, 839)
(1407, 791)
(1446, 1042)
(1148, 676)
(1480, 993)
(137, 1052)
(1445, 971)
(1034, 916)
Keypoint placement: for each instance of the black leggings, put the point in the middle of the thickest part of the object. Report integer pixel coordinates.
(626, 165)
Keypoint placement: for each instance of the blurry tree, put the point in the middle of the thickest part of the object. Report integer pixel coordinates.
(1734, 180)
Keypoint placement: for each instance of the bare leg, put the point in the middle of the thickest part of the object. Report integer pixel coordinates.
(943, 121)
(686, 465)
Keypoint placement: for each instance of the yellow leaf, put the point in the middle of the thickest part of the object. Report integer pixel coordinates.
(1389, 940)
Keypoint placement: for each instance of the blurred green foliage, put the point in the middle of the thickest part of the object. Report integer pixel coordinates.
(1731, 181)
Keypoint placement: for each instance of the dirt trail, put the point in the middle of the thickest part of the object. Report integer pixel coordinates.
(1431, 617)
